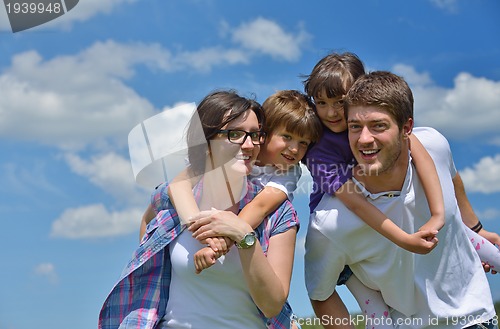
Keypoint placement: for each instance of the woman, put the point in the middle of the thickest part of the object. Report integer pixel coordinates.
(248, 287)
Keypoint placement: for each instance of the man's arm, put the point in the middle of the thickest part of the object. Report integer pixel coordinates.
(469, 217)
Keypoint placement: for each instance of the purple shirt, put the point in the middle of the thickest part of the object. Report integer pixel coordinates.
(330, 162)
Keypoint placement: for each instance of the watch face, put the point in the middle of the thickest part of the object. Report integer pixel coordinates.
(249, 239)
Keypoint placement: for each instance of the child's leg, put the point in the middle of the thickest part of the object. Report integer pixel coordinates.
(371, 303)
(486, 250)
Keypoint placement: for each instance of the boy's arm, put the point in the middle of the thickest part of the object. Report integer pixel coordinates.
(268, 199)
(420, 242)
(427, 173)
(180, 191)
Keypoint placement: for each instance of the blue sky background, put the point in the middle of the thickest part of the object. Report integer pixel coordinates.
(71, 90)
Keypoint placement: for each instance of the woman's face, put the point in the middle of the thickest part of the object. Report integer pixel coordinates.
(236, 157)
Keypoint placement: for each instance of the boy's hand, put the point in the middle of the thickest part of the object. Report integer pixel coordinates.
(219, 244)
(204, 258)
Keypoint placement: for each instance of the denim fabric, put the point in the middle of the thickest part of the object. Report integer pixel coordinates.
(344, 275)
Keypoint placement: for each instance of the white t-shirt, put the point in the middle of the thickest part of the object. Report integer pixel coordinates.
(284, 180)
(422, 290)
(218, 297)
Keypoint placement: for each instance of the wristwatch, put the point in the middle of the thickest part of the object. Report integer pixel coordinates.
(247, 241)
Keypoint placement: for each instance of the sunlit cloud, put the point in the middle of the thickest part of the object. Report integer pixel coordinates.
(47, 271)
(484, 176)
(95, 221)
(469, 109)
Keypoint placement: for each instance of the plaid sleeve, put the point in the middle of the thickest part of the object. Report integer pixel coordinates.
(159, 197)
(284, 218)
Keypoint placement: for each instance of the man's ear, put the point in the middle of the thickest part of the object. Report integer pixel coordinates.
(408, 128)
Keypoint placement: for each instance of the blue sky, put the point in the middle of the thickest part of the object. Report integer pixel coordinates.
(71, 91)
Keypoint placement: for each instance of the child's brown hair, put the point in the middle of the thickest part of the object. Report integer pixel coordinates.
(293, 111)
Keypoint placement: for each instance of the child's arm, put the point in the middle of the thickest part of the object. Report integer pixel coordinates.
(427, 173)
(180, 191)
(268, 199)
(371, 215)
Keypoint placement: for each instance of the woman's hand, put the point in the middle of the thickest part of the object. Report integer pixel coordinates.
(216, 223)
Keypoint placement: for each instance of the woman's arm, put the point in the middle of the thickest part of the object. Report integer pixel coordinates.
(426, 171)
(268, 278)
(421, 242)
(148, 215)
(268, 199)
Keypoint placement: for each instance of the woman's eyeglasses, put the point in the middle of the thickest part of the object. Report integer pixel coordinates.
(240, 136)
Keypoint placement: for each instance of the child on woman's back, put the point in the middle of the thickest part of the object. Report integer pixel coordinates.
(291, 125)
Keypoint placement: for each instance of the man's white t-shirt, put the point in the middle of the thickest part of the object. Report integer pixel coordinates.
(447, 287)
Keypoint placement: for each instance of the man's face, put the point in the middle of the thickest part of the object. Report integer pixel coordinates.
(376, 140)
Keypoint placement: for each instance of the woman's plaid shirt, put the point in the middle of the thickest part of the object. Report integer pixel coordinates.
(139, 299)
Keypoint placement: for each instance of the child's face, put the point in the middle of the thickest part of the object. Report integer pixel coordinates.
(331, 112)
(283, 149)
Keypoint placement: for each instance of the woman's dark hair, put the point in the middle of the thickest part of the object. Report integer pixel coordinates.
(215, 111)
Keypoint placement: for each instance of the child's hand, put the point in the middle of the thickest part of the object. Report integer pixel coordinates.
(204, 258)
(421, 242)
(219, 244)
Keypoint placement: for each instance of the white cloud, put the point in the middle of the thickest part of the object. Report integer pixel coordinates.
(484, 176)
(467, 110)
(411, 76)
(267, 37)
(110, 172)
(73, 101)
(447, 5)
(48, 271)
(84, 10)
(95, 221)
(89, 8)
(488, 214)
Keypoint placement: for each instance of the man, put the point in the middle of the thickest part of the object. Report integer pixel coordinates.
(445, 288)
